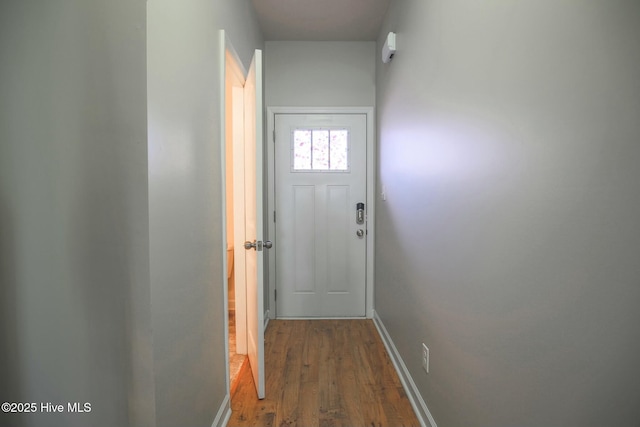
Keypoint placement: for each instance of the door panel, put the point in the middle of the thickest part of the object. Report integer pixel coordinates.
(254, 221)
(320, 177)
(338, 238)
(304, 265)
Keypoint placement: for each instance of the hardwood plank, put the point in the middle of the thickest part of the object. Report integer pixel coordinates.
(245, 406)
(323, 373)
(331, 409)
(289, 381)
(308, 401)
(348, 386)
(368, 379)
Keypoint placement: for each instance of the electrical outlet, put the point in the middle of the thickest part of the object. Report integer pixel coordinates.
(425, 358)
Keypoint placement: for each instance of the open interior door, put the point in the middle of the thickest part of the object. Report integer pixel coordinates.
(254, 245)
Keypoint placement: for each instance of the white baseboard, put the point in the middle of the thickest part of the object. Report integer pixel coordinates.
(224, 413)
(417, 402)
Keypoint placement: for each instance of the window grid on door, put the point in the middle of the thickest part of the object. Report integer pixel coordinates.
(320, 150)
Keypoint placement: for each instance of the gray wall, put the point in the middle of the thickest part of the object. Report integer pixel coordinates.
(185, 200)
(102, 215)
(319, 74)
(509, 242)
(74, 284)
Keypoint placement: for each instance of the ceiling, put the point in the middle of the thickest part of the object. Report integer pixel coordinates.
(320, 20)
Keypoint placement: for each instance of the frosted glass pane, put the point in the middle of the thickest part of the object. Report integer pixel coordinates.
(338, 150)
(301, 150)
(320, 149)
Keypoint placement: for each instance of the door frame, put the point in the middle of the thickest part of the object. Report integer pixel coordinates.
(370, 197)
(234, 140)
(228, 57)
(233, 72)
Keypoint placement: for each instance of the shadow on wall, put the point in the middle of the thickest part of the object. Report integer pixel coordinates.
(9, 344)
(100, 259)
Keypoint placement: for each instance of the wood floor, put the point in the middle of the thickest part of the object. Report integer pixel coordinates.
(323, 373)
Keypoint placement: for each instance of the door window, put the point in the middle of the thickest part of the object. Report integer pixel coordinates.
(320, 150)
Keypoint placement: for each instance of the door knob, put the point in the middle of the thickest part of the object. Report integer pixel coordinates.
(258, 245)
(360, 233)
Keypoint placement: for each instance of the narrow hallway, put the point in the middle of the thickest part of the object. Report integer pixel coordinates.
(323, 373)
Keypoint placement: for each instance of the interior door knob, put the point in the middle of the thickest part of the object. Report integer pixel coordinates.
(268, 244)
(248, 245)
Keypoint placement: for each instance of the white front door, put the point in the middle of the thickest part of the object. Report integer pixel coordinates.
(320, 182)
(254, 221)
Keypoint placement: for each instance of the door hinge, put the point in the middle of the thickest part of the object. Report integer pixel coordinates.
(274, 216)
(274, 136)
(275, 294)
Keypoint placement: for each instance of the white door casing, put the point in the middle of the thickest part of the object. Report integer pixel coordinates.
(321, 250)
(254, 220)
